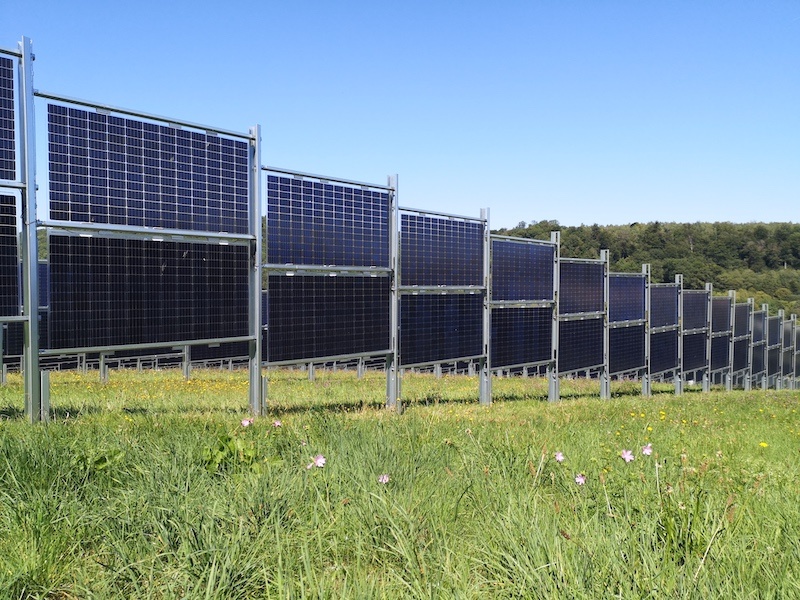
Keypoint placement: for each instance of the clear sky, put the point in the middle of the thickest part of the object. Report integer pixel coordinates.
(600, 111)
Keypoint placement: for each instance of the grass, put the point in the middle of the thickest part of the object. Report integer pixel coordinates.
(150, 487)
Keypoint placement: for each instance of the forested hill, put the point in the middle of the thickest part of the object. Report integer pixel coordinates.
(758, 260)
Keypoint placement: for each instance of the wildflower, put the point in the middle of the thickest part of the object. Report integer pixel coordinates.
(627, 456)
(763, 444)
(647, 450)
(384, 478)
(277, 423)
(580, 478)
(317, 461)
(247, 422)
(559, 456)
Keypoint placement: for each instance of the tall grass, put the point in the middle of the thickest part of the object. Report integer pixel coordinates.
(151, 487)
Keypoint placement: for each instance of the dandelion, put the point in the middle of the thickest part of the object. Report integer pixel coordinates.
(559, 456)
(277, 423)
(383, 478)
(763, 444)
(317, 461)
(247, 422)
(580, 478)
(627, 456)
(647, 450)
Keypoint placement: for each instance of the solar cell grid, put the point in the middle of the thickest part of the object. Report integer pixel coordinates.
(773, 361)
(581, 287)
(580, 345)
(664, 306)
(8, 161)
(759, 326)
(320, 316)
(316, 223)
(111, 292)
(695, 309)
(9, 258)
(440, 327)
(773, 331)
(720, 352)
(741, 320)
(664, 351)
(758, 360)
(786, 363)
(440, 251)
(521, 336)
(720, 314)
(522, 271)
(741, 355)
(121, 171)
(694, 352)
(626, 349)
(787, 334)
(626, 297)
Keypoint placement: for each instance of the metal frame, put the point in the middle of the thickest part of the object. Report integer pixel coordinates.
(705, 330)
(724, 373)
(642, 370)
(653, 330)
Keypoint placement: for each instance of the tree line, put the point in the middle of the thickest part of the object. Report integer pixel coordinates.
(758, 260)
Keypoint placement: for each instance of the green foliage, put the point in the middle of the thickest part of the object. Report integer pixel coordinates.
(759, 260)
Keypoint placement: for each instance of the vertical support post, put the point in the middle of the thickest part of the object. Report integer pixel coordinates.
(3, 368)
(44, 383)
(553, 382)
(779, 374)
(256, 398)
(360, 368)
(765, 377)
(646, 377)
(679, 374)
(605, 377)
(187, 362)
(709, 309)
(102, 367)
(393, 400)
(748, 375)
(312, 375)
(731, 326)
(29, 247)
(485, 375)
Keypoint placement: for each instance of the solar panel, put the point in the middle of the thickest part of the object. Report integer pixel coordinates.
(720, 352)
(664, 305)
(758, 360)
(740, 355)
(114, 170)
(580, 344)
(440, 251)
(720, 314)
(626, 297)
(317, 316)
(773, 331)
(440, 327)
(694, 352)
(318, 223)
(773, 361)
(9, 258)
(109, 292)
(522, 270)
(626, 349)
(663, 351)
(787, 334)
(695, 309)
(786, 362)
(8, 161)
(521, 336)
(581, 287)
(741, 320)
(759, 326)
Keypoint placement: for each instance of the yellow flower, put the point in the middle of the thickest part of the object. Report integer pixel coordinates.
(649, 429)
(763, 444)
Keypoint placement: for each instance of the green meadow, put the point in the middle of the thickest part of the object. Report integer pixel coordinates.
(150, 486)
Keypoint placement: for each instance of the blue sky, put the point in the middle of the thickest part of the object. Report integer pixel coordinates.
(607, 112)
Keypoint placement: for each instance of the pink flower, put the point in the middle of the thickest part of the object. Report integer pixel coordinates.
(559, 457)
(317, 461)
(627, 456)
(276, 423)
(247, 422)
(647, 450)
(580, 478)
(384, 478)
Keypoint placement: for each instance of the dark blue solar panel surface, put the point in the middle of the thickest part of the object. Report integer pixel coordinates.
(720, 314)
(694, 352)
(786, 363)
(695, 309)
(740, 355)
(759, 326)
(440, 327)
(315, 223)
(787, 334)
(741, 320)
(521, 336)
(8, 161)
(758, 360)
(108, 169)
(773, 331)
(522, 271)
(580, 344)
(626, 297)
(626, 349)
(320, 316)
(773, 361)
(581, 287)
(664, 351)
(663, 306)
(9, 259)
(107, 292)
(44, 284)
(720, 352)
(440, 251)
